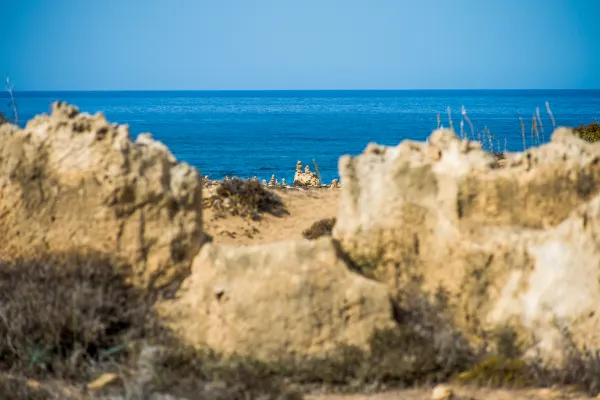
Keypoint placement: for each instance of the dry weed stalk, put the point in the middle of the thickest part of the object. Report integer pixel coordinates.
(464, 113)
(317, 171)
(539, 119)
(534, 129)
(489, 136)
(450, 118)
(523, 132)
(9, 88)
(551, 115)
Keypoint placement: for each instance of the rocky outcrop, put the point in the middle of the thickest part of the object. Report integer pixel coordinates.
(306, 178)
(510, 243)
(276, 301)
(515, 245)
(72, 181)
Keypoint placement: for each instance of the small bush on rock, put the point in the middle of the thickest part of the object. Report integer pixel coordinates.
(590, 132)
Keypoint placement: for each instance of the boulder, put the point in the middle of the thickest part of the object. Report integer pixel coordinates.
(72, 181)
(274, 301)
(514, 243)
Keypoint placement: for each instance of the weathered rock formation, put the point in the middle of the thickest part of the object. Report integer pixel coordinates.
(517, 245)
(71, 180)
(513, 243)
(276, 301)
(305, 178)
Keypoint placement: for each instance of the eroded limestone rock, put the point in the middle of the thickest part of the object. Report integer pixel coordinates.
(513, 245)
(273, 301)
(72, 181)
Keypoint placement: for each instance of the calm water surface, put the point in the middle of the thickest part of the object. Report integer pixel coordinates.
(258, 133)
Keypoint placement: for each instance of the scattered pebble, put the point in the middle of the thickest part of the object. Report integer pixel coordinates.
(442, 392)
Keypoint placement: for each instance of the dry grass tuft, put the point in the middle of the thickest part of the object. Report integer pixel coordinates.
(19, 389)
(64, 315)
(246, 198)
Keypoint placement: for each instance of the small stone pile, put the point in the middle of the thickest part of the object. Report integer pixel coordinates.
(306, 178)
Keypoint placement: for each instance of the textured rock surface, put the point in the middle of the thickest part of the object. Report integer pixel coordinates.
(306, 178)
(273, 301)
(514, 245)
(73, 181)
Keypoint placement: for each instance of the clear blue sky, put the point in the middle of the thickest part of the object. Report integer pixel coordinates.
(300, 44)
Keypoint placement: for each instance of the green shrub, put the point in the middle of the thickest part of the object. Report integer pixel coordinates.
(589, 132)
(498, 372)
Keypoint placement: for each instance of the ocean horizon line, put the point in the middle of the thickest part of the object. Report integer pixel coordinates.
(294, 90)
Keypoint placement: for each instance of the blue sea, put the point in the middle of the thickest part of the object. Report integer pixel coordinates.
(260, 133)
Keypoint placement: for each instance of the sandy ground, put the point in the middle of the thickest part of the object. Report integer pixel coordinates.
(66, 390)
(464, 393)
(304, 207)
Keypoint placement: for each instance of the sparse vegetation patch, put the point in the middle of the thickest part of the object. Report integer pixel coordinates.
(246, 198)
(320, 228)
(589, 132)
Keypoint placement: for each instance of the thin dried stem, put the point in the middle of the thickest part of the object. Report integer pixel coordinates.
(464, 113)
(539, 120)
(489, 135)
(450, 118)
(551, 115)
(532, 132)
(317, 170)
(535, 129)
(523, 132)
(9, 89)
